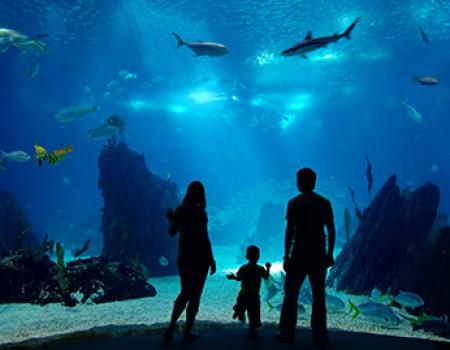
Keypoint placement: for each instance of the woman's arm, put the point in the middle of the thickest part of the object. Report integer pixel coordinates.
(174, 219)
(212, 261)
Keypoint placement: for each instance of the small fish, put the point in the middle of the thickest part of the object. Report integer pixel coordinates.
(66, 181)
(203, 48)
(425, 80)
(40, 154)
(112, 85)
(408, 299)
(57, 156)
(412, 112)
(369, 176)
(83, 249)
(424, 36)
(347, 221)
(127, 76)
(34, 70)
(163, 261)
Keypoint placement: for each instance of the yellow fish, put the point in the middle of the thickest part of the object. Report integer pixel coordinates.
(54, 157)
(59, 155)
(41, 154)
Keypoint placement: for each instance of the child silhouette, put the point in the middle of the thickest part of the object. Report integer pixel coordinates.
(248, 300)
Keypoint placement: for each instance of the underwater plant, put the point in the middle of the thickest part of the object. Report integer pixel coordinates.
(45, 247)
(60, 273)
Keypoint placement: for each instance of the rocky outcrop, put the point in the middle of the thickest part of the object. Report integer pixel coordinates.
(15, 229)
(390, 241)
(134, 224)
(431, 279)
(269, 232)
(27, 276)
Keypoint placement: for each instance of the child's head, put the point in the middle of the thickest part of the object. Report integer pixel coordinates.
(252, 254)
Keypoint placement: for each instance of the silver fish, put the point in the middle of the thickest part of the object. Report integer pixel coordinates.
(375, 312)
(412, 112)
(12, 38)
(408, 299)
(425, 80)
(16, 156)
(203, 48)
(72, 113)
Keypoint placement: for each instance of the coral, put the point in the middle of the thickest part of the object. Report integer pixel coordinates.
(396, 247)
(25, 280)
(133, 220)
(60, 275)
(15, 229)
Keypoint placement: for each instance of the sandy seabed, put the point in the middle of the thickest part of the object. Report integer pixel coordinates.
(22, 322)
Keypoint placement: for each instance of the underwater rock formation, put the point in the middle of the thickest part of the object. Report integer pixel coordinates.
(389, 244)
(134, 224)
(431, 279)
(269, 231)
(15, 229)
(26, 276)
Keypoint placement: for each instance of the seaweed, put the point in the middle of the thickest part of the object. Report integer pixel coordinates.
(60, 273)
(46, 247)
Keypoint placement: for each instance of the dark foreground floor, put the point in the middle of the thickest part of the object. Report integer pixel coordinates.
(237, 339)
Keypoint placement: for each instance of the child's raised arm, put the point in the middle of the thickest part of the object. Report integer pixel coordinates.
(266, 273)
(232, 276)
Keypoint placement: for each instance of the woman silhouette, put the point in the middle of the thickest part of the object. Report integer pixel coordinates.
(195, 256)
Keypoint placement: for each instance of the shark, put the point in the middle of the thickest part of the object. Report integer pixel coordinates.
(310, 44)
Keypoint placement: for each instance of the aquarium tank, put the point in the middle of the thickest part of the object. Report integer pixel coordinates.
(109, 109)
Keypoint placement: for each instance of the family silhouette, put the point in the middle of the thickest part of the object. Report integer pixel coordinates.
(306, 254)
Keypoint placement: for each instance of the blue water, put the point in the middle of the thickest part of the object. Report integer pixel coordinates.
(243, 123)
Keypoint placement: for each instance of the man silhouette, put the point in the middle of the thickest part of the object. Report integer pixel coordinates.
(305, 255)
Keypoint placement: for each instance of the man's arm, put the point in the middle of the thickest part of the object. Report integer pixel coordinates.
(289, 238)
(331, 230)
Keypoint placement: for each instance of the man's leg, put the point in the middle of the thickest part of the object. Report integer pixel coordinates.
(319, 311)
(288, 317)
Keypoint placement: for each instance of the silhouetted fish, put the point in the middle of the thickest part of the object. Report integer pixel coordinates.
(310, 44)
(424, 36)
